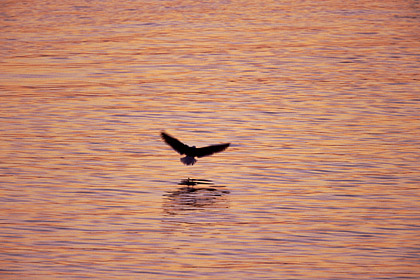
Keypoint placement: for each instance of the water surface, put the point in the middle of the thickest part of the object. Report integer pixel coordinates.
(320, 101)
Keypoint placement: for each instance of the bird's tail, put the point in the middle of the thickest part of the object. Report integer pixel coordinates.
(188, 160)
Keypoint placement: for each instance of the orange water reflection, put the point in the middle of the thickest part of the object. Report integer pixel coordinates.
(319, 100)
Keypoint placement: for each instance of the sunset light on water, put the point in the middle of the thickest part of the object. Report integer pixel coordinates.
(320, 101)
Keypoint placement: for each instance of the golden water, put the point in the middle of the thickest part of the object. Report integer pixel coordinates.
(320, 100)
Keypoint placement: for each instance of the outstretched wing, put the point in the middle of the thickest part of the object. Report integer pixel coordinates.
(209, 150)
(177, 145)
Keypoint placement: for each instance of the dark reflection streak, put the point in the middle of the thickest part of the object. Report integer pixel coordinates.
(192, 198)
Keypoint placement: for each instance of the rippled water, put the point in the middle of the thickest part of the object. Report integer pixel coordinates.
(320, 100)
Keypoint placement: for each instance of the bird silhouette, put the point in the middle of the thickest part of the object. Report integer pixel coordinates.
(191, 152)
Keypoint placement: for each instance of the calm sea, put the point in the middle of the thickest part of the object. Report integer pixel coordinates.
(320, 100)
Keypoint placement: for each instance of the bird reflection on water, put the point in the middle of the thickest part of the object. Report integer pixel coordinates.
(192, 197)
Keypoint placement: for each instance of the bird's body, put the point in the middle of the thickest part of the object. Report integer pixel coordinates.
(191, 152)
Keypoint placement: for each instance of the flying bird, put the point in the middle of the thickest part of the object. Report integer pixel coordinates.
(191, 152)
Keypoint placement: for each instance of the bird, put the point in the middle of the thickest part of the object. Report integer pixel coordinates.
(191, 152)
